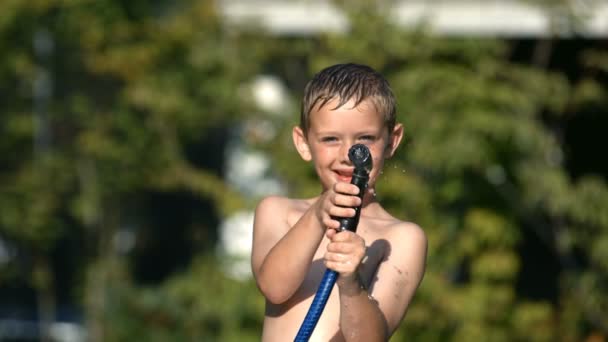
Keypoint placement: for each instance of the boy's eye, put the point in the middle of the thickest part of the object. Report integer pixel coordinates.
(329, 139)
(367, 137)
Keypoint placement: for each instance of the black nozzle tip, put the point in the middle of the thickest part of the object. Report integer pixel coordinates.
(360, 156)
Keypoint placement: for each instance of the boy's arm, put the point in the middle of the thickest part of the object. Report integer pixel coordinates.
(399, 276)
(360, 317)
(375, 315)
(282, 255)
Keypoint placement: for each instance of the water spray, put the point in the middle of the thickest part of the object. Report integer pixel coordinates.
(361, 158)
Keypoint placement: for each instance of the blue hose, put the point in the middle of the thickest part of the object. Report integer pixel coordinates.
(361, 157)
(317, 306)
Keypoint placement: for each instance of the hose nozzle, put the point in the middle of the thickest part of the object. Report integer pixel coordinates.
(360, 156)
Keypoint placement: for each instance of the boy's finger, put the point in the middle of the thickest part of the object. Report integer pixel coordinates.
(330, 233)
(347, 200)
(331, 223)
(346, 188)
(343, 236)
(337, 257)
(344, 248)
(342, 212)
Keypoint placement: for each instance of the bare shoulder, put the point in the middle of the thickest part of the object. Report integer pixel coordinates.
(281, 202)
(404, 233)
(279, 209)
(398, 232)
(408, 247)
(273, 202)
(274, 216)
(269, 225)
(402, 269)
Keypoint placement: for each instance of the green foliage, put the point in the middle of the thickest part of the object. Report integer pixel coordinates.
(102, 103)
(200, 305)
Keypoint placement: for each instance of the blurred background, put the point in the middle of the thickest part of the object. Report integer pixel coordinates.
(137, 137)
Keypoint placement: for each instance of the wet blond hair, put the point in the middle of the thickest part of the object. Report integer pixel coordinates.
(346, 82)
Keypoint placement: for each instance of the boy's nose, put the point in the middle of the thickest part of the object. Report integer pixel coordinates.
(344, 153)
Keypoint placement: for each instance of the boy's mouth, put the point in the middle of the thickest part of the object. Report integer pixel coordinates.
(344, 176)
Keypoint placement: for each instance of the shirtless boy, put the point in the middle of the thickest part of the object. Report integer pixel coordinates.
(294, 240)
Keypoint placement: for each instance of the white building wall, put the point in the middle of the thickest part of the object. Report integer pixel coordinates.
(506, 18)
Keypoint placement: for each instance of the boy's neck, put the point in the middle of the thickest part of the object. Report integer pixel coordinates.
(369, 197)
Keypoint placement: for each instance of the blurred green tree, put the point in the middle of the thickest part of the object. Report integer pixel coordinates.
(102, 104)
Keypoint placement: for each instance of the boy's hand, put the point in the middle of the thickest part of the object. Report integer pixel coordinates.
(337, 201)
(344, 254)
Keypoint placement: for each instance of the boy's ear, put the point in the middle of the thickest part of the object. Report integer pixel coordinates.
(301, 144)
(394, 140)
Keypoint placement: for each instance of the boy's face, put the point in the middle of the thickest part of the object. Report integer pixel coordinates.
(333, 132)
